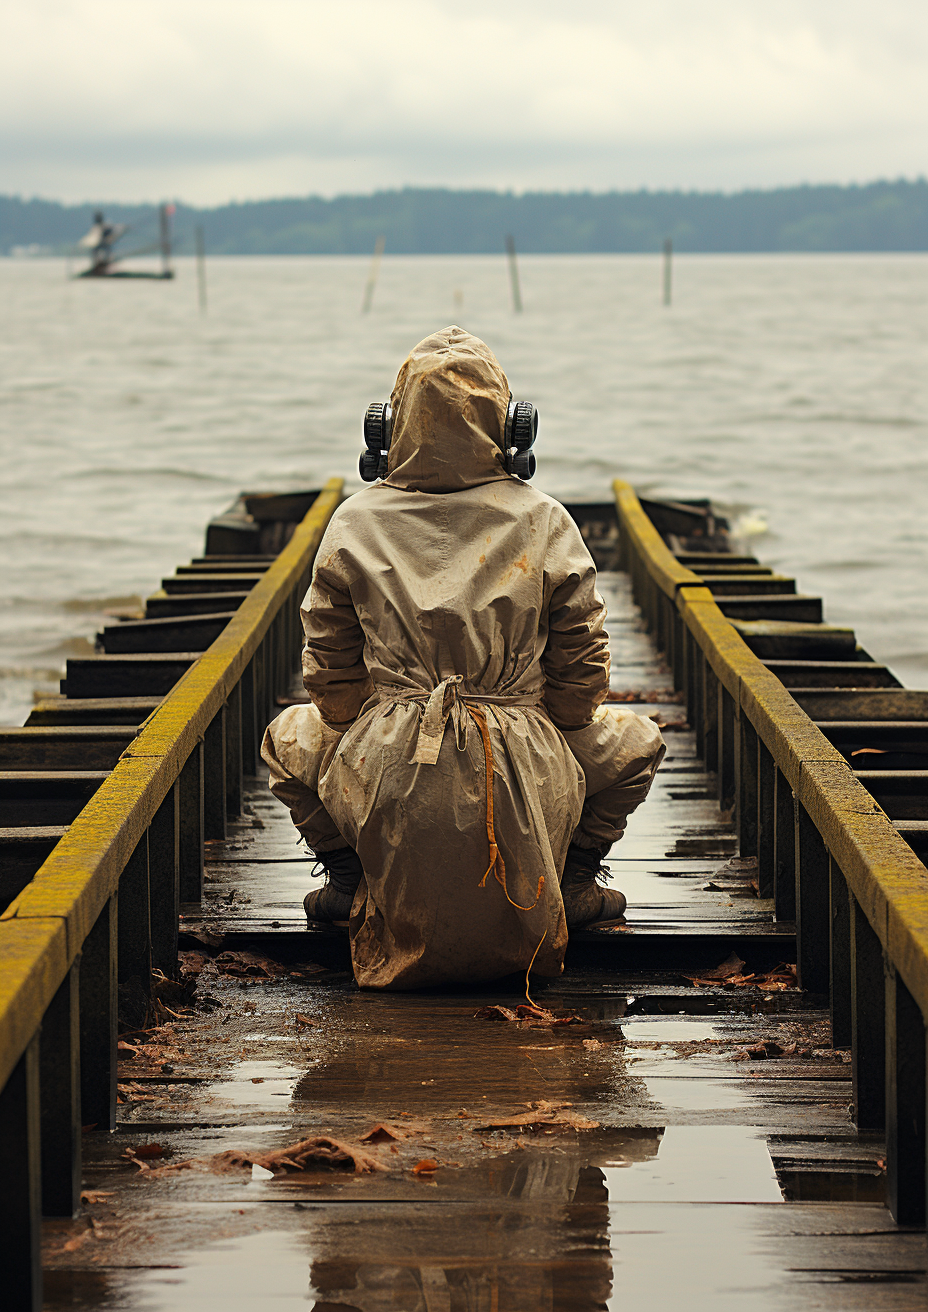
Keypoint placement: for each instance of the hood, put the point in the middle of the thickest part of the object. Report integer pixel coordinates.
(449, 416)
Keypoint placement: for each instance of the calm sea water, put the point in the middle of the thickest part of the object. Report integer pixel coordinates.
(792, 390)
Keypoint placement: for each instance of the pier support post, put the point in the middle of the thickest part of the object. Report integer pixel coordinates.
(99, 1003)
(20, 1197)
(728, 724)
(839, 956)
(677, 653)
(868, 1021)
(813, 905)
(191, 827)
(784, 859)
(766, 821)
(710, 701)
(60, 1082)
(252, 732)
(214, 777)
(164, 880)
(234, 753)
(746, 787)
(905, 1103)
(134, 951)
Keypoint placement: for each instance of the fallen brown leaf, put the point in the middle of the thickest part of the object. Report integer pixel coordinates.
(242, 964)
(541, 1115)
(765, 1049)
(146, 1151)
(495, 1013)
(526, 1013)
(383, 1134)
(732, 965)
(319, 1153)
(79, 1240)
(191, 963)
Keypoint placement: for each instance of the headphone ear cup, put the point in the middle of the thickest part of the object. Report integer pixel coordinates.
(523, 465)
(369, 466)
(378, 432)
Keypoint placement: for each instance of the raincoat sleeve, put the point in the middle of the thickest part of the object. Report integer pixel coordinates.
(576, 656)
(334, 672)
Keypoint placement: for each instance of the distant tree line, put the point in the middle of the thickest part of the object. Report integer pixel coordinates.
(880, 216)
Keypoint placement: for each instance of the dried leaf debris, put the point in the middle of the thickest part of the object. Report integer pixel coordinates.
(317, 1153)
(731, 975)
(541, 1115)
(527, 1014)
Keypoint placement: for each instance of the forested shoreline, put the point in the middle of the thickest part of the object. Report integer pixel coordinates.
(878, 216)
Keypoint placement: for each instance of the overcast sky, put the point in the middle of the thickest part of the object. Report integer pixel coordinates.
(212, 100)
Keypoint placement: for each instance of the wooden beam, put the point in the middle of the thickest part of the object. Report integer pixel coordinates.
(126, 676)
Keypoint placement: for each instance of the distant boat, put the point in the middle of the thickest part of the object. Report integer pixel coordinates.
(103, 236)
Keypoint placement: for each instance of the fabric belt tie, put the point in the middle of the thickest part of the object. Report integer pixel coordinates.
(445, 702)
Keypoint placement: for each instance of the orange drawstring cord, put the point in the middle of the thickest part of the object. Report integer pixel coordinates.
(528, 970)
(497, 865)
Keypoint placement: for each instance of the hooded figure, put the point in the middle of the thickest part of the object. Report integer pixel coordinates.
(456, 757)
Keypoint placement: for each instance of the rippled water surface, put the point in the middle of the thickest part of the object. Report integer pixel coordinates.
(793, 390)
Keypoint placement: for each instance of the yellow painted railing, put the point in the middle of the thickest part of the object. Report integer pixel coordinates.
(827, 853)
(94, 910)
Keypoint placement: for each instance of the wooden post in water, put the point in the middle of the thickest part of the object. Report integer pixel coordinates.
(668, 269)
(201, 267)
(514, 274)
(372, 276)
(165, 225)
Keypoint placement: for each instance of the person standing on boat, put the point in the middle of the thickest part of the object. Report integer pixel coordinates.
(456, 773)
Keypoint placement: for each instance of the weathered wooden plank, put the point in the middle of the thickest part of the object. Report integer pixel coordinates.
(165, 634)
(22, 851)
(92, 710)
(194, 603)
(800, 609)
(64, 747)
(800, 675)
(742, 586)
(127, 675)
(45, 797)
(223, 565)
(903, 794)
(915, 833)
(234, 560)
(198, 583)
(772, 639)
(870, 704)
(883, 736)
(696, 559)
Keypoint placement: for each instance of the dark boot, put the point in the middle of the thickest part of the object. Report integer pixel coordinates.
(585, 903)
(333, 901)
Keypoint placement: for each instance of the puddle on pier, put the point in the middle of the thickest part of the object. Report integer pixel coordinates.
(526, 1231)
(254, 1083)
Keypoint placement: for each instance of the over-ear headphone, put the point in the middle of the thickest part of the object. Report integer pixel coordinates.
(518, 439)
(378, 430)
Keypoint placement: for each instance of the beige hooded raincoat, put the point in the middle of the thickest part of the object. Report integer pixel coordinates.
(456, 661)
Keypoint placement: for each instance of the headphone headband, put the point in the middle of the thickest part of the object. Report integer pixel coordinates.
(519, 435)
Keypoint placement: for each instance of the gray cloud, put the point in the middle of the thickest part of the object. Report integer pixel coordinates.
(210, 99)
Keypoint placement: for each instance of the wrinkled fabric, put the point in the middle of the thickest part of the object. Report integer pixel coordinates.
(449, 416)
(453, 629)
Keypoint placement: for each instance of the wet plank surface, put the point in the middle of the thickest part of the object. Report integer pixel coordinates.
(674, 1146)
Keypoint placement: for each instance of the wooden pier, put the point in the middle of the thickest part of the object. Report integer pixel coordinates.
(734, 1118)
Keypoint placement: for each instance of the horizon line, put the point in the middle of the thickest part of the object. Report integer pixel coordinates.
(918, 179)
